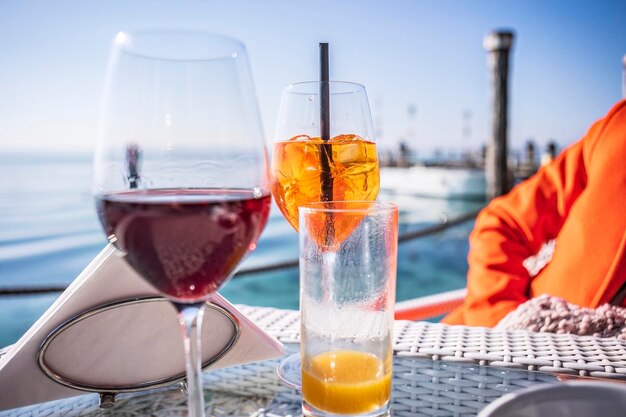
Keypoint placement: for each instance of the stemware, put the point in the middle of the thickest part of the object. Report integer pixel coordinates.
(305, 167)
(181, 177)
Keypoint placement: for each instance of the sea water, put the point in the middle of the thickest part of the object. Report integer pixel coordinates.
(49, 232)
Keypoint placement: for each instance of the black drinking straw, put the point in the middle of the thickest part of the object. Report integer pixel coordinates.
(326, 156)
(326, 153)
(324, 93)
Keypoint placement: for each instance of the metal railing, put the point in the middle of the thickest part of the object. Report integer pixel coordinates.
(405, 237)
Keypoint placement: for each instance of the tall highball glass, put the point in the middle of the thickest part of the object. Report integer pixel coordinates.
(347, 298)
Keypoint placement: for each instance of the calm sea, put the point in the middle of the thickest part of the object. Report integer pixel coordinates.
(49, 232)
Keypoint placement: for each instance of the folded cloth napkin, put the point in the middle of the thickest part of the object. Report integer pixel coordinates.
(132, 343)
(551, 314)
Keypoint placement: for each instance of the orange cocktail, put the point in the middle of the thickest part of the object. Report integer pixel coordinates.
(297, 171)
(346, 382)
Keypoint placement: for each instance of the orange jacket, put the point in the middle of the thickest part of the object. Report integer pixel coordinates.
(580, 201)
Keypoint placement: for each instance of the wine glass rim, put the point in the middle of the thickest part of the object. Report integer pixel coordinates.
(355, 85)
(361, 207)
(120, 43)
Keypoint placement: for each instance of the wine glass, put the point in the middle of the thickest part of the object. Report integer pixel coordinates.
(181, 177)
(305, 167)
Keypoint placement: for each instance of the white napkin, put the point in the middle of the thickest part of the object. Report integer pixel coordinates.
(108, 279)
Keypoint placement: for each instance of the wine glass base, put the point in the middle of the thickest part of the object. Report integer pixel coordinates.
(290, 371)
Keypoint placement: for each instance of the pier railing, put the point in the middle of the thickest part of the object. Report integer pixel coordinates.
(405, 237)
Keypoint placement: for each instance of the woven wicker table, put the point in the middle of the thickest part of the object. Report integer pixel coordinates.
(439, 370)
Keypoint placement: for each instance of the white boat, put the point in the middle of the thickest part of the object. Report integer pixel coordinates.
(437, 182)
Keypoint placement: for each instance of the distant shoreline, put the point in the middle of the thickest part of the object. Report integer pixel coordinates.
(13, 157)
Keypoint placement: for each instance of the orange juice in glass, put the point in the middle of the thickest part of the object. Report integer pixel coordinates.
(347, 297)
(346, 382)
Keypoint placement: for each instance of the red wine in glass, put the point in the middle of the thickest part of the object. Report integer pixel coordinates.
(185, 242)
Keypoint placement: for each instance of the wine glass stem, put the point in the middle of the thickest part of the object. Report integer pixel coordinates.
(190, 317)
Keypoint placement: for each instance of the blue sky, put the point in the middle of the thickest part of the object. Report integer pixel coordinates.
(566, 62)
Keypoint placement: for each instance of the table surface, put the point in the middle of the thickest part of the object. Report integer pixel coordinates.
(421, 387)
(438, 370)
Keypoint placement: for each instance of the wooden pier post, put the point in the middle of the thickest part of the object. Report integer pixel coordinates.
(498, 45)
